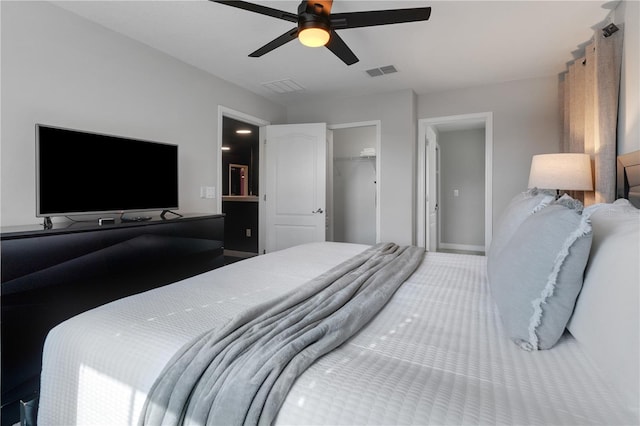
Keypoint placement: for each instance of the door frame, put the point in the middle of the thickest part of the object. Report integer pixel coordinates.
(423, 124)
(241, 116)
(332, 127)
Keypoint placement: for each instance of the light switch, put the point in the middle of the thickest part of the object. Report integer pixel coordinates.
(207, 192)
(456, 193)
(210, 192)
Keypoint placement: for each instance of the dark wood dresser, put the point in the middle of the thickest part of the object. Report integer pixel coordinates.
(49, 275)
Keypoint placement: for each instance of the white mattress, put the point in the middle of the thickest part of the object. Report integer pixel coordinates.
(436, 354)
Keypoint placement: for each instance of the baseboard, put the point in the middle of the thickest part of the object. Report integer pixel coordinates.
(464, 247)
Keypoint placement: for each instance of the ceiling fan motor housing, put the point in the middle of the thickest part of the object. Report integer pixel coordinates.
(313, 16)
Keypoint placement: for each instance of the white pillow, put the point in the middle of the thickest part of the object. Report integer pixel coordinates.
(606, 317)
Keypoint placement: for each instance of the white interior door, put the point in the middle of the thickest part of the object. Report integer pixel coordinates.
(433, 165)
(295, 171)
(434, 217)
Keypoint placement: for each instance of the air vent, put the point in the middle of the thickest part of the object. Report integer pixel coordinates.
(283, 86)
(388, 69)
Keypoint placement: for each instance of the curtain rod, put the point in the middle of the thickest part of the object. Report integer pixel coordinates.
(609, 30)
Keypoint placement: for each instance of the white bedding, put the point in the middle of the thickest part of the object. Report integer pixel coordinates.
(436, 354)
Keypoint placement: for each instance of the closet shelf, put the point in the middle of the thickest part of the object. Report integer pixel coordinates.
(357, 157)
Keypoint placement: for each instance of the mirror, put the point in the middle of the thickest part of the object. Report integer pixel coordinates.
(238, 179)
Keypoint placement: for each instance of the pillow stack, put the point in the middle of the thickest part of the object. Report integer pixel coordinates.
(536, 265)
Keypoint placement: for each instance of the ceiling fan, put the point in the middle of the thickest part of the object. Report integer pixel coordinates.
(317, 25)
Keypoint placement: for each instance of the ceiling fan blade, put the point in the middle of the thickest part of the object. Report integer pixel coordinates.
(379, 17)
(340, 49)
(263, 10)
(284, 38)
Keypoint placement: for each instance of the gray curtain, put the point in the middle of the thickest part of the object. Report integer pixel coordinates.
(589, 111)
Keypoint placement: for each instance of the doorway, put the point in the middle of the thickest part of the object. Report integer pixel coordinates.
(352, 189)
(239, 181)
(461, 205)
(257, 193)
(307, 208)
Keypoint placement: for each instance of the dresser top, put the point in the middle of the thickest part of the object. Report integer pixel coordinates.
(84, 225)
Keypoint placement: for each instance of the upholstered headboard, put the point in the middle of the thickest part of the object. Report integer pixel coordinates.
(628, 185)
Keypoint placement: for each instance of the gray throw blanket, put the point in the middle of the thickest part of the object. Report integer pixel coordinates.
(242, 372)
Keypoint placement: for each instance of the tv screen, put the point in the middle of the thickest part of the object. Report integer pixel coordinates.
(80, 172)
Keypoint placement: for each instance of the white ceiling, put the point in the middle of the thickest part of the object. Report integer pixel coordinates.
(464, 43)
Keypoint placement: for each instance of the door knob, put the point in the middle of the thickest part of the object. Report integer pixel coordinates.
(318, 211)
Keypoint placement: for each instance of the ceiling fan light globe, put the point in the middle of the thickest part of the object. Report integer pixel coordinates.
(313, 37)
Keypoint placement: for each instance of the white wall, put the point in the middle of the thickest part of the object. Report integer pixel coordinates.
(396, 111)
(628, 12)
(60, 69)
(525, 122)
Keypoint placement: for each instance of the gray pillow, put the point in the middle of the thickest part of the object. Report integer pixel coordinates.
(539, 273)
(517, 211)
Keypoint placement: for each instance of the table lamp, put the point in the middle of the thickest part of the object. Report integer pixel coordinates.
(565, 171)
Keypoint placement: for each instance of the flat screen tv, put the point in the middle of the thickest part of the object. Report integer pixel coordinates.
(80, 172)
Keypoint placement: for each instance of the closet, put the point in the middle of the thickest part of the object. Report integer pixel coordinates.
(354, 184)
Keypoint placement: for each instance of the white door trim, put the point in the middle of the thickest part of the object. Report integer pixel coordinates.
(378, 124)
(237, 115)
(423, 123)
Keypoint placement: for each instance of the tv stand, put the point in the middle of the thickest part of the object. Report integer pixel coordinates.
(48, 224)
(51, 274)
(134, 218)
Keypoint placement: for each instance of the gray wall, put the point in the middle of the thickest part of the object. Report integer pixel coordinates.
(525, 122)
(60, 69)
(398, 129)
(462, 169)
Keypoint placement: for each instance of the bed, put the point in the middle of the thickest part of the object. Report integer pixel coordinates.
(440, 351)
